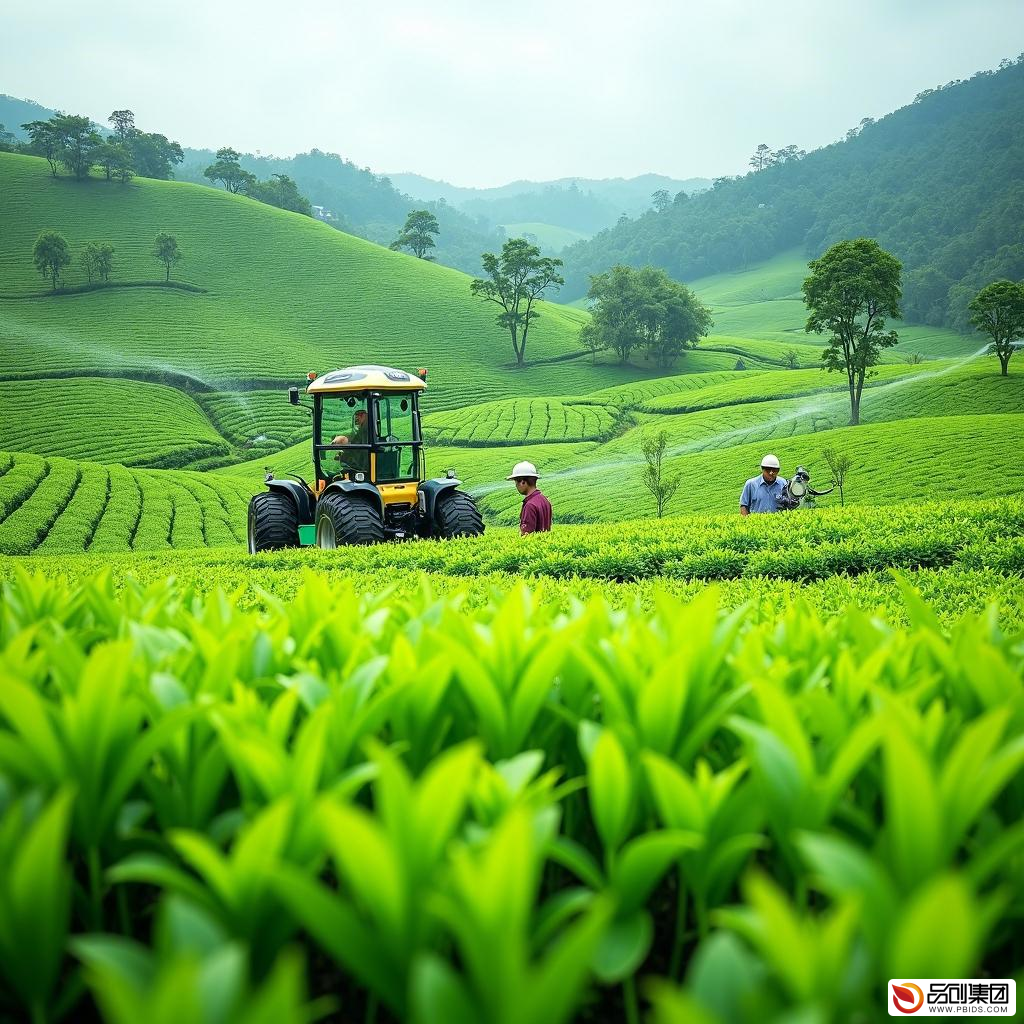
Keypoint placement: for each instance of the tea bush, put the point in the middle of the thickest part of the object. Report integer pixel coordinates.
(511, 813)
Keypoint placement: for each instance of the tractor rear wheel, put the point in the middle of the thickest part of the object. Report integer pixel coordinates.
(456, 515)
(273, 522)
(342, 519)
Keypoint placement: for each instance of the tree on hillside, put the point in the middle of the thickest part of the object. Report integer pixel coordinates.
(279, 190)
(515, 281)
(852, 288)
(167, 251)
(591, 340)
(791, 358)
(51, 255)
(89, 257)
(154, 155)
(79, 143)
(762, 157)
(45, 142)
(227, 170)
(104, 261)
(998, 311)
(124, 124)
(417, 234)
(661, 485)
(646, 309)
(115, 159)
(661, 200)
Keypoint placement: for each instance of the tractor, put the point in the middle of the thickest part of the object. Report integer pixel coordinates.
(370, 476)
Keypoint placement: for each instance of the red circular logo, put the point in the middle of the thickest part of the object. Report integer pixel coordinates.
(908, 992)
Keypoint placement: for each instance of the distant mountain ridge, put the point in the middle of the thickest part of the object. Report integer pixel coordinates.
(579, 204)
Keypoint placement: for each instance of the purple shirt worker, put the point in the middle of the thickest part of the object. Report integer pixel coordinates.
(535, 516)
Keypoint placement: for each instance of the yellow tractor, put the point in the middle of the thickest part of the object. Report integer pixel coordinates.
(370, 477)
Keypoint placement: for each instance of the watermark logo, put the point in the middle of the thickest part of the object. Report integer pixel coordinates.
(908, 997)
(952, 997)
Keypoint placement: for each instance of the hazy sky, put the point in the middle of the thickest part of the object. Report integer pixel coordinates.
(481, 93)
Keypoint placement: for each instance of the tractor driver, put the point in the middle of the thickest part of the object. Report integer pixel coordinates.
(358, 460)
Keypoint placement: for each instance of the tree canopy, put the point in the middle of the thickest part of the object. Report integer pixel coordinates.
(998, 311)
(852, 288)
(418, 234)
(515, 281)
(644, 309)
(51, 255)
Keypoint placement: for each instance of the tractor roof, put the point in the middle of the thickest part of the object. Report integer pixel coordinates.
(365, 378)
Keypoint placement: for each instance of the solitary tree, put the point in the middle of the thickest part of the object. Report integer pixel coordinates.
(839, 465)
(417, 234)
(167, 251)
(661, 485)
(227, 170)
(791, 358)
(998, 311)
(51, 255)
(515, 281)
(852, 288)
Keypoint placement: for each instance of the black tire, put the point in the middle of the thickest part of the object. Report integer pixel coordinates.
(456, 515)
(346, 519)
(273, 522)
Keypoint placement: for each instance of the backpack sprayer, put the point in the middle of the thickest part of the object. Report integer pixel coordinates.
(798, 493)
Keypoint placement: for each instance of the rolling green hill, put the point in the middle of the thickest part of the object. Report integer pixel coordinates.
(282, 294)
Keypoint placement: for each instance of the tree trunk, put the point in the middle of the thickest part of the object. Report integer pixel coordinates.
(1004, 363)
(854, 411)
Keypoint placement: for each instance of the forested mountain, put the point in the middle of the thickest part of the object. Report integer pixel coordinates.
(940, 183)
(581, 204)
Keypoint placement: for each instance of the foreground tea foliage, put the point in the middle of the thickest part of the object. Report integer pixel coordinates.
(508, 813)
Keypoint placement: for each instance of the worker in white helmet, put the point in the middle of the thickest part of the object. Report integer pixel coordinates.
(535, 516)
(762, 493)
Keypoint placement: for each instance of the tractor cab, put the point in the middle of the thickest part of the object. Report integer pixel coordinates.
(369, 470)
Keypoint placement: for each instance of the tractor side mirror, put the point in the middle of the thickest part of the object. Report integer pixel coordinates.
(293, 396)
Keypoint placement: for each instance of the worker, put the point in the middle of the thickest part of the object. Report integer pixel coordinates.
(763, 493)
(358, 460)
(535, 516)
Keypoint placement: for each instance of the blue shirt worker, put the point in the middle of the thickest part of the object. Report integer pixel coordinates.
(762, 493)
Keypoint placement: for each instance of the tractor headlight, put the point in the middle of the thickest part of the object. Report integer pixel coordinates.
(450, 473)
(359, 477)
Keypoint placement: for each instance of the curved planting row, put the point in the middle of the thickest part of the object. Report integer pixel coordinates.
(515, 814)
(55, 505)
(519, 420)
(113, 421)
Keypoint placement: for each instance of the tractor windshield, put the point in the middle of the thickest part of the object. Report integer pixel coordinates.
(394, 424)
(344, 421)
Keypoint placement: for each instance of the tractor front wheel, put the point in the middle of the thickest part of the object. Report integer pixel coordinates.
(456, 515)
(341, 520)
(273, 522)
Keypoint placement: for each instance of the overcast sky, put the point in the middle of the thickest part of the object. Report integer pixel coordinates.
(481, 93)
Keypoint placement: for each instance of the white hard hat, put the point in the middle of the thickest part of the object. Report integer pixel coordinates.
(770, 462)
(521, 469)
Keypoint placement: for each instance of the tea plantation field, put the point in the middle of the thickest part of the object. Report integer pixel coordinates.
(498, 780)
